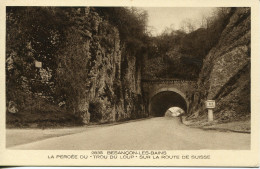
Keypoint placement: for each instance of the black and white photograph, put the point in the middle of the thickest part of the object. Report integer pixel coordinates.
(128, 82)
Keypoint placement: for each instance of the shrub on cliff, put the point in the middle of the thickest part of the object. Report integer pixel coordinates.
(96, 109)
(58, 45)
(131, 24)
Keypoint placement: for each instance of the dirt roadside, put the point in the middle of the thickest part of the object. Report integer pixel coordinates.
(236, 126)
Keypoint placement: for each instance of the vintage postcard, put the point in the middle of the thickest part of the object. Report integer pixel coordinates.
(129, 83)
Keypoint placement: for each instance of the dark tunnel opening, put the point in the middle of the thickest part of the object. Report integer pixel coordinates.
(162, 101)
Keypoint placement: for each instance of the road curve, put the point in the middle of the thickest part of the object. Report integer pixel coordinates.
(162, 133)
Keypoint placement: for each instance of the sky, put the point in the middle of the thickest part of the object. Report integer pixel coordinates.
(160, 18)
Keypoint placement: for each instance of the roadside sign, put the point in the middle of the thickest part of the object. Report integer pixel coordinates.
(38, 64)
(210, 104)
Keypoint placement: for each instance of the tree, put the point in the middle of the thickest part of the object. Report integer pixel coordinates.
(184, 50)
(187, 26)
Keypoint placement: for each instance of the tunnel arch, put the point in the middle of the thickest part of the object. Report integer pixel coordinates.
(163, 99)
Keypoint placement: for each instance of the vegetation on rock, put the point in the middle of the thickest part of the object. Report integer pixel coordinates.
(225, 75)
(84, 56)
(179, 54)
(93, 60)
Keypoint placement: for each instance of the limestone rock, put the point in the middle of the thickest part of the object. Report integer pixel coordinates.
(114, 79)
(225, 76)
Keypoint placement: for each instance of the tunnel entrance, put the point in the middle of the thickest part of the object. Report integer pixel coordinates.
(164, 100)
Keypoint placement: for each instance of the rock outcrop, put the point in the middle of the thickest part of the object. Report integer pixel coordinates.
(225, 76)
(92, 73)
(113, 84)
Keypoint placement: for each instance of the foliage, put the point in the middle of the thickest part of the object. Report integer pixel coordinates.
(45, 34)
(131, 24)
(42, 120)
(183, 53)
(29, 41)
(96, 109)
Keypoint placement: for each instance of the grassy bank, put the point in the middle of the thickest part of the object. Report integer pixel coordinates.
(243, 126)
(42, 120)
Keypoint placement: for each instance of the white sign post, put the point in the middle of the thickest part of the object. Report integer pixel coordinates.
(38, 64)
(210, 105)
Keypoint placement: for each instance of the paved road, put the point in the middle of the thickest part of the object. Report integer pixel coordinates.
(162, 133)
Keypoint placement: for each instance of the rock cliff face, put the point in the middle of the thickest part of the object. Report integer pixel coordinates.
(225, 76)
(113, 83)
(92, 73)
